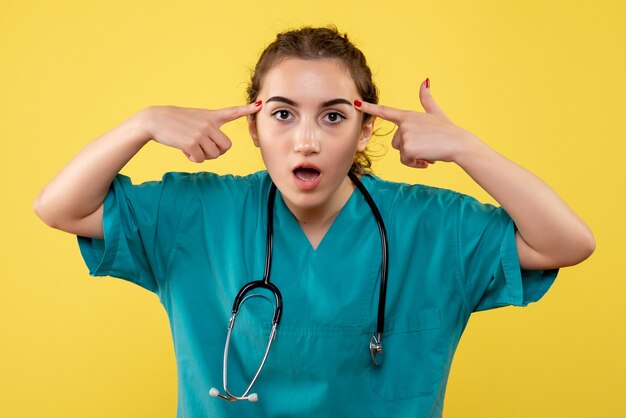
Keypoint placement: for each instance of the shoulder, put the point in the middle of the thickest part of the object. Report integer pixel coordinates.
(208, 179)
(401, 192)
(429, 204)
(201, 183)
(181, 188)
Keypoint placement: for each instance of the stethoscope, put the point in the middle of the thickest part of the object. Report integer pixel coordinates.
(375, 345)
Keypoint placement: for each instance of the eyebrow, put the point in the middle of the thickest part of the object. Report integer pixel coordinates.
(323, 104)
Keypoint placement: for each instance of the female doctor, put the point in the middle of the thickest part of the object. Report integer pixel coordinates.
(195, 239)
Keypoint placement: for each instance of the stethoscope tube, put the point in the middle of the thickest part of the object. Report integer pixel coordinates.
(376, 348)
(242, 297)
(265, 283)
(375, 345)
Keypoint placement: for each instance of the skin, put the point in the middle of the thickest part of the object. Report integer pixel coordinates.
(308, 118)
(73, 200)
(549, 235)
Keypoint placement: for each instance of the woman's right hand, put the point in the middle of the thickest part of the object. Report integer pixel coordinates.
(73, 200)
(196, 132)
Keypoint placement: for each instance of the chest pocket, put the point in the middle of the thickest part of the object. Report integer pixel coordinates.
(412, 356)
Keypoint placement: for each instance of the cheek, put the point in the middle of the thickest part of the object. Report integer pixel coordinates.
(343, 149)
(352, 138)
(273, 147)
(267, 134)
(270, 129)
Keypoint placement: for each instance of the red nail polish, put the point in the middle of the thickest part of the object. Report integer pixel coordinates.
(357, 103)
(257, 103)
(427, 83)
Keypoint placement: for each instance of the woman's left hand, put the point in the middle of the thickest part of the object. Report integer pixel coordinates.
(422, 138)
(549, 234)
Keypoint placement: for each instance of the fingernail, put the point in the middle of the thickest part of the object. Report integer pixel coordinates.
(257, 103)
(357, 103)
(427, 83)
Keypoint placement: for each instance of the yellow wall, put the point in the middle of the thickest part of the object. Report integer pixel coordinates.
(542, 81)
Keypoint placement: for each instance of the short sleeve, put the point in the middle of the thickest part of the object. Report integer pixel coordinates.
(489, 262)
(139, 230)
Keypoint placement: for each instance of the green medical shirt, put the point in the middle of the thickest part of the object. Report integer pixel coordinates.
(196, 239)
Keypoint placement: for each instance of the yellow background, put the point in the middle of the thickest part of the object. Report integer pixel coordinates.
(540, 81)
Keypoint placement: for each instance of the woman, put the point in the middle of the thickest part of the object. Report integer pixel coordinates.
(196, 239)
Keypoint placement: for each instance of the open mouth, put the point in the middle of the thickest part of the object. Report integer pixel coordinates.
(306, 173)
(307, 177)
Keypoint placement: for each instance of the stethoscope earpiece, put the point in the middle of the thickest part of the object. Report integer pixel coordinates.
(253, 397)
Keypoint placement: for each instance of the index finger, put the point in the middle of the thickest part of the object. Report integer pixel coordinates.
(229, 114)
(384, 112)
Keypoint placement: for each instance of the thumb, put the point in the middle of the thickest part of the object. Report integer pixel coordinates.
(427, 101)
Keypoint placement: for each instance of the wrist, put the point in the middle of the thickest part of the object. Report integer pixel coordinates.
(471, 148)
(139, 126)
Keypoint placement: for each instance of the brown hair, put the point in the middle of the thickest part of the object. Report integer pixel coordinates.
(319, 43)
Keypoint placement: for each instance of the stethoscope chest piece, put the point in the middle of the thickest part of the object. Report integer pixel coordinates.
(376, 349)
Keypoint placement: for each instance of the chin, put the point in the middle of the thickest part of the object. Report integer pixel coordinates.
(304, 200)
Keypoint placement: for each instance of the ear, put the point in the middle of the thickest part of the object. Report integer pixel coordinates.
(252, 129)
(367, 130)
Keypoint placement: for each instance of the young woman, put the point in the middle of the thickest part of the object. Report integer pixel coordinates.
(347, 344)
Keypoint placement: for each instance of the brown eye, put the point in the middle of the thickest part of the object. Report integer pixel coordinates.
(282, 115)
(333, 117)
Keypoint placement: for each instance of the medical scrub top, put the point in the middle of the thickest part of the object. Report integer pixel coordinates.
(194, 239)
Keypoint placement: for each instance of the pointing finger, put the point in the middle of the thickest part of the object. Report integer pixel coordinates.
(385, 112)
(229, 114)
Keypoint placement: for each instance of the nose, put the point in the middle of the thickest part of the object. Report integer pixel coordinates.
(306, 139)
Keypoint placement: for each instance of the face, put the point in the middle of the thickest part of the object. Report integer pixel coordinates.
(309, 131)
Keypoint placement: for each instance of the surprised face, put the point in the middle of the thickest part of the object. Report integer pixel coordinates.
(309, 132)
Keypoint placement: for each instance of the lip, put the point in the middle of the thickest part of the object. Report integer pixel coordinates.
(307, 184)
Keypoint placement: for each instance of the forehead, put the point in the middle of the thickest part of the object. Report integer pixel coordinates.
(295, 77)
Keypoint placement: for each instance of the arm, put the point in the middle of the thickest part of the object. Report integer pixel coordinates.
(549, 234)
(73, 200)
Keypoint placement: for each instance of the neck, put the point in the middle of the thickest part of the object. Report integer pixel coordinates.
(324, 214)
